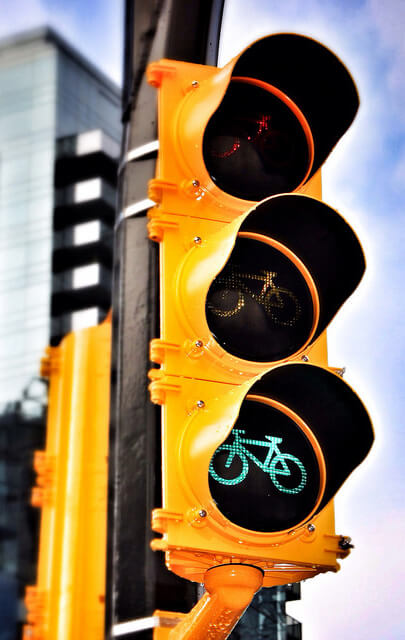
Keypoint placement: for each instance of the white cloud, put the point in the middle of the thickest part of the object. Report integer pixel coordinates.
(99, 39)
(388, 19)
(398, 177)
(20, 15)
(363, 600)
(313, 18)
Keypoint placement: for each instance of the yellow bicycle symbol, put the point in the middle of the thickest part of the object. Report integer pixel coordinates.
(280, 304)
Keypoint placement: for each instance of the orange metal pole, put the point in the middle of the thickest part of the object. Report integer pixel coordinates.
(229, 591)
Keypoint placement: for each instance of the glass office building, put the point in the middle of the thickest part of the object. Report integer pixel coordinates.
(48, 91)
(49, 96)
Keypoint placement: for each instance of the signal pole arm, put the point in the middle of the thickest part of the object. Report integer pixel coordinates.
(229, 591)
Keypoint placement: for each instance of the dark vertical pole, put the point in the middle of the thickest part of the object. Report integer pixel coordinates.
(266, 617)
(137, 580)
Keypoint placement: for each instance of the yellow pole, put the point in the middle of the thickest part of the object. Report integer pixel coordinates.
(67, 603)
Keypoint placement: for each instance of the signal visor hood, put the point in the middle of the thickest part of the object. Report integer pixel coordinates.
(312, 77)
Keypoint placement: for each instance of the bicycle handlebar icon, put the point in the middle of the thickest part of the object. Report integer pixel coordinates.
(275, 463)
(280, 304)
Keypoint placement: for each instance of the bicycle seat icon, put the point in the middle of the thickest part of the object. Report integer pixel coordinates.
(276, 463)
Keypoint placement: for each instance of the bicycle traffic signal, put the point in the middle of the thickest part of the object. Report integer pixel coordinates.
(257, 292)
(258, 432)
(262, 125)
(309, 450)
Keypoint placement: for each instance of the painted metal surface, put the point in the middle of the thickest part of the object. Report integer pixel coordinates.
(67, 601)
(229, 589)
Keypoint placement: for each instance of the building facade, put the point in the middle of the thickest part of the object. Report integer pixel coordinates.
(84, 211)
(59, 146)
(48, 92)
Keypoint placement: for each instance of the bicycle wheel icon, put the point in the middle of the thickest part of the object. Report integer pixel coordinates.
(228, 303)
(236, 462)
(279, 468)
(282, 306)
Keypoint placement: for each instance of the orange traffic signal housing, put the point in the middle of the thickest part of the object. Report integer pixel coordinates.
(255, 292)
(258, 432)
(203, 522)
(260, 126)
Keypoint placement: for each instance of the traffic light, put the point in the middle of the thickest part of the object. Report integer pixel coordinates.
(262, 125)
(258, 433)
(259, 291)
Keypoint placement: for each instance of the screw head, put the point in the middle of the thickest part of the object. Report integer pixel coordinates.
(197, 240)
(198, 344)
(195, 183)
(345, 543)
(200, 404)
(195, 84)
(304, 358)
(311, 528)
(202, 513)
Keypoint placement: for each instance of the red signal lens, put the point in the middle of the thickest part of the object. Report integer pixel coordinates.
(258, 142)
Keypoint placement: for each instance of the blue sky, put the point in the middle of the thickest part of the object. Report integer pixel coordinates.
(364, 180)
(93, 26)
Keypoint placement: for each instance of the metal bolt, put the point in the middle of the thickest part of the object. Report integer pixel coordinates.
(341, 372)
(345, 543)
(197, 240)
(195, 84)
(311, 528)
(198, 344)
(202, 513)
(200, 404)
(304, 358)
(196, 183)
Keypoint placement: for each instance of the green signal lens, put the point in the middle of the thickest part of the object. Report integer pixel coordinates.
(265, 476)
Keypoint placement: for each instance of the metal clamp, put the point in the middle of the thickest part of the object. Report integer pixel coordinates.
(133, 210)
(125, 628)
(138, 152)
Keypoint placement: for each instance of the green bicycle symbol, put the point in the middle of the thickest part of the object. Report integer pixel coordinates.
(275, 463)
